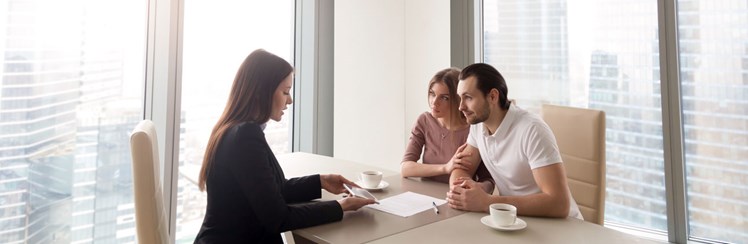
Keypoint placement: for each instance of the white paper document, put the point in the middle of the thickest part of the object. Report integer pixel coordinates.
(407, 204)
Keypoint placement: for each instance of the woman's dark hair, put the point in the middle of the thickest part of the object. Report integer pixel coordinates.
(449, 77)
(488, 78)
(250, 99)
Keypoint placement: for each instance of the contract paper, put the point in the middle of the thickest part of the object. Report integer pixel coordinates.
(407, 204)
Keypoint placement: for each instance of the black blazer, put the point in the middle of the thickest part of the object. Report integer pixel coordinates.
(248, 195)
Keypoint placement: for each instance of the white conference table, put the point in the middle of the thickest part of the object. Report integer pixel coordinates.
(449, 226)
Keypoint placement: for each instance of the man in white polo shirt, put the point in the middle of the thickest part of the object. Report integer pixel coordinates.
(517, 147)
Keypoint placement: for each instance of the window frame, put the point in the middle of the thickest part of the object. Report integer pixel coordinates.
(313, 77)
(672, 126)
(162, 101)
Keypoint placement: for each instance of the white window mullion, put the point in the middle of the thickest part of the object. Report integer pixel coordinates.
(162, 93)
(313, 87)
(675, 181)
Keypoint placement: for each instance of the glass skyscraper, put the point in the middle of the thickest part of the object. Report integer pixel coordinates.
(528, 39)
(605, 55)
(714, 80)
(64, 116)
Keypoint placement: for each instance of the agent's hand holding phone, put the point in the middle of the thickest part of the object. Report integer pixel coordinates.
(360, 192)
(354, 202)
(337, 184)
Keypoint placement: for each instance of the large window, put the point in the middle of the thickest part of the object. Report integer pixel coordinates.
(70, 92)
(592, 54)
(218, 35)
(605, 55)
(713, 41)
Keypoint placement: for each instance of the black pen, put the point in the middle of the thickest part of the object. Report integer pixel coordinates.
(436, 210)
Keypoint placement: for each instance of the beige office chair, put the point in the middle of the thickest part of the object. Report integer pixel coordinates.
(580, 134)
(150, 216)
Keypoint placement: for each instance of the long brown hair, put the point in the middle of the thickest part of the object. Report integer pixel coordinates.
(449, 77)
(250, 99)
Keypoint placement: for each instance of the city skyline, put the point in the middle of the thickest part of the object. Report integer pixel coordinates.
(64, 154)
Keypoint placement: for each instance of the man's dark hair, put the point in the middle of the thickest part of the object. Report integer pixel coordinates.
(487, 78)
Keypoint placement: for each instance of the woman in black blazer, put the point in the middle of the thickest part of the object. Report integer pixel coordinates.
(248, 195)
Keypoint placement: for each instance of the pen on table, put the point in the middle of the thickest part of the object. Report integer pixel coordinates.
(436, 210)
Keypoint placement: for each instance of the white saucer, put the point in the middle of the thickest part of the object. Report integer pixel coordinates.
(518, 225)
(382, 185)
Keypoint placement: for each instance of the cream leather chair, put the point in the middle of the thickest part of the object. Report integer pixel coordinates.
(150, 216)
(580, 134)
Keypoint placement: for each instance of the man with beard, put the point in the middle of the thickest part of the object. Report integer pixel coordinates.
(517, 147)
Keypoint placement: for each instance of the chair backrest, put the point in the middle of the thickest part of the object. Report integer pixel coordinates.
(150, 217)
(580, 134)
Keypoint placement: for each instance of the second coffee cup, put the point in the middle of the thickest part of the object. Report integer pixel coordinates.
(371, 178)
(503, 214)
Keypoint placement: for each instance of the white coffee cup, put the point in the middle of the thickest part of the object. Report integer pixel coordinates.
(371, 178)
(503, 214)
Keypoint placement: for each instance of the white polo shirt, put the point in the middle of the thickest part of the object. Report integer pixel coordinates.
(522, 142)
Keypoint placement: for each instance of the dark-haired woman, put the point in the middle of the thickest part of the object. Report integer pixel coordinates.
(248, 195)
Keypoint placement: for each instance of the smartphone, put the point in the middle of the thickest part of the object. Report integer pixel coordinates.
(360, 192)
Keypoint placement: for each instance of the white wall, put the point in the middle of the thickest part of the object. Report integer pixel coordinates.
(427, 50)
(385, 53)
